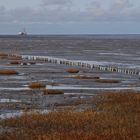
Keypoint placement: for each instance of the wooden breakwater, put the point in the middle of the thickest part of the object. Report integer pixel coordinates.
(82, 64)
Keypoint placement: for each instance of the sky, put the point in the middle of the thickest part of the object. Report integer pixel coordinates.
(70, 16)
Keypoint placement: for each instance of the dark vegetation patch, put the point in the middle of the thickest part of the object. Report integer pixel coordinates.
(86, 77)
(107, 81)
(8, 72)
(37, 85)
(72, 70)
(52, 91)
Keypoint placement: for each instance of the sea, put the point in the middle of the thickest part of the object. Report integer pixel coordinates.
(103, 49)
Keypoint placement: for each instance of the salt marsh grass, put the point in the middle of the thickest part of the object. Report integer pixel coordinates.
(115, 116)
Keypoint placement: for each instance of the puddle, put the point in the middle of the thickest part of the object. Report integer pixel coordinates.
(76, 93)
(39, 64)
(118, 54)
(71, 87)
(9, 101)
(14, 88)
(14, 77)
(65, 87)
(39, 111)
(11, 114)
(19, 78)
(21, 74)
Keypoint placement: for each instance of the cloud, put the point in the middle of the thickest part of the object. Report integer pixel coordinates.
(60, 11)
(23, 13)
(4, 15)
(95, 9)
(2, 10)
(122, 4)
(120, 10)
(55, 2)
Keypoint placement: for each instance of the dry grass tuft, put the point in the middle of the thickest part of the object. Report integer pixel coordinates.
(14, 62)
(107, 81)
(18, 61)
(8, 72)
(3, 55)
(14, 58)
(115, 116)
(72, 70)
(52, 91)
(37, 85)
(86, 77)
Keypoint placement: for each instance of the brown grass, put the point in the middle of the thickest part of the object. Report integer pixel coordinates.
(107, 81)
(14, 58)
(37, 85)
(72, 70)
(115, 116)
(86, 77)
(3, 55)
(8, 72)
(52, 91)
(14, 62)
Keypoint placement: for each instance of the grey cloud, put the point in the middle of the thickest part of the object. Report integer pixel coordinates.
(58, 11)
(2, 10)
(22, 13)
(121, 5)
(4, 15)
(56, 2)
(95, 9)
(120, 10)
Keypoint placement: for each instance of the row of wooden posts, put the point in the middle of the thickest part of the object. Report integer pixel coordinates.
(79, 64)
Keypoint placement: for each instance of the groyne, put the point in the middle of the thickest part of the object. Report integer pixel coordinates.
(82, 64)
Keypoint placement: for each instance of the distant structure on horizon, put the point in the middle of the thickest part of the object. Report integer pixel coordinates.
(23, 33)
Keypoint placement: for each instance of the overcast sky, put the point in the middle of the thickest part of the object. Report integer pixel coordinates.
(70, 16)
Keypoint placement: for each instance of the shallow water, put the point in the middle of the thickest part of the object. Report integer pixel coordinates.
(9, 101)
(63, 87)
(9, 114)
(14, 89)
(121, 51)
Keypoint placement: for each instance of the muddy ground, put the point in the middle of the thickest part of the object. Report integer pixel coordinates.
(16, 96)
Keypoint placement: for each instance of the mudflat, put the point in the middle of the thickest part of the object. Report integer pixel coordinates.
(16, 96)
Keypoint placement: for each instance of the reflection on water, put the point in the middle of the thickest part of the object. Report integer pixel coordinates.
(10, 114)
(9, 101)
(65, 87)
(70, 87)
(16, 113)
(14, 88)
